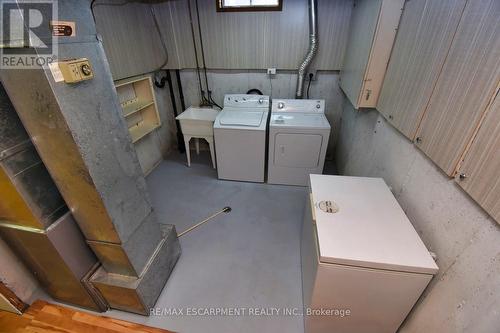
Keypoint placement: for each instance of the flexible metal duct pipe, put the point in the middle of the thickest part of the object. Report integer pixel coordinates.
(313, 47)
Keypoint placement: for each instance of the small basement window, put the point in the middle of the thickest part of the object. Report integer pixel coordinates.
(248, 5)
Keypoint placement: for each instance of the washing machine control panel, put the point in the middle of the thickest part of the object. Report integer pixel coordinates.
(299, 105)
(246, 101)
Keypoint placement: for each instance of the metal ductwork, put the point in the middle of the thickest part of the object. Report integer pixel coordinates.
(83, 140)
(313, 48)
(35, 221)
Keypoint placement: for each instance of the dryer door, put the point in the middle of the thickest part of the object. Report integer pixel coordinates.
(295, 150)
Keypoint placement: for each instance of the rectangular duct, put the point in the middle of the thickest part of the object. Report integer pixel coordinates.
(83, 140)
(34, 219)
(58, 257)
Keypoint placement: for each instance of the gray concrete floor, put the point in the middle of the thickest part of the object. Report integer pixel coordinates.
(249, 258)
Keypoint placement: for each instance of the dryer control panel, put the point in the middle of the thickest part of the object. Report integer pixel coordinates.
(298, 105)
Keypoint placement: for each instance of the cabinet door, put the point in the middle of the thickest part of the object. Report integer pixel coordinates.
(361, 32)
(465, 86)
(425, 34)
(372, 31)
(479, 173)
(383, 41)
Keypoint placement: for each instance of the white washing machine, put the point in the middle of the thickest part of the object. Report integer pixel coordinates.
(240, 137)
(363, 263)
(298, 139)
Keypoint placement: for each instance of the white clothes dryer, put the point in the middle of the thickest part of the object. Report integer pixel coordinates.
(298, 139)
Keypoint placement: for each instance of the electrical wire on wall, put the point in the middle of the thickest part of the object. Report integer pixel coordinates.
(95, 3)
(209, 92)
(205, 100)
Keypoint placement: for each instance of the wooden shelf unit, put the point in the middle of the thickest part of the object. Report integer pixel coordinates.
(139, 106)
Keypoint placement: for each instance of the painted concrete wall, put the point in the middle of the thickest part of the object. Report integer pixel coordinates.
(15, 275)
(465, 295)
(281, 85)
(245, 40)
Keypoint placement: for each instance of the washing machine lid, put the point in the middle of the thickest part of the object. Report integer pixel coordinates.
(299, 120)
(360, 223)
(241, 118)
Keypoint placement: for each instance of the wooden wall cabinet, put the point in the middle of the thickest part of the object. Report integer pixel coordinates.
(138, 104)
(479, 172)
(139, 108)
(467, 82)
(371, 36)
(424, 37)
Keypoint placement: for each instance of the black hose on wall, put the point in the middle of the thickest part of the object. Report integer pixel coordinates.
(161, 84)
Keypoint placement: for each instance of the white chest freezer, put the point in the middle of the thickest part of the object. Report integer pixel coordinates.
(363, 264)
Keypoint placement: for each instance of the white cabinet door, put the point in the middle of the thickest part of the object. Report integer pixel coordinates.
(372, 31)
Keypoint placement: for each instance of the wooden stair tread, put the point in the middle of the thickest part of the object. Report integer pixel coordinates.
(12, 323)
(43, 317)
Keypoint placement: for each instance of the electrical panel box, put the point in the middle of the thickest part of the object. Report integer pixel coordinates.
(372, 32)
(76, 70)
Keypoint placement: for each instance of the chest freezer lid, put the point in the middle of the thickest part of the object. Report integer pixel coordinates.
(369, 229)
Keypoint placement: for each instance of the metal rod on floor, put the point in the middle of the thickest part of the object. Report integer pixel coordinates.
(224, 210)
